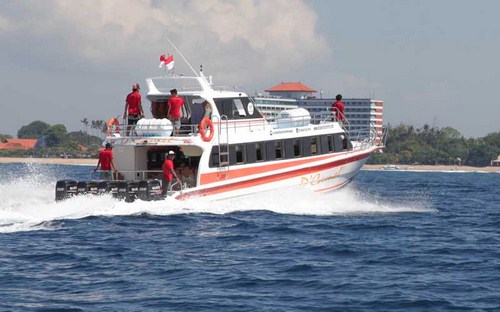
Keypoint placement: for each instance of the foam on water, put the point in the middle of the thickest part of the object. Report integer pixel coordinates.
(27, 204)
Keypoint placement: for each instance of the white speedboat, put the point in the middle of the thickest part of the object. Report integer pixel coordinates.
(235, 151)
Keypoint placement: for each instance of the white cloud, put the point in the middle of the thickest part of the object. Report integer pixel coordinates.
(249, 35)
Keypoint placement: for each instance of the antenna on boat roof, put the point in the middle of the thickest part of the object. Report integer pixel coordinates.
(173, 45)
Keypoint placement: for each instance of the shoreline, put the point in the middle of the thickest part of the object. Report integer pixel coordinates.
(92, 161)
(431, 168)
(49, 161)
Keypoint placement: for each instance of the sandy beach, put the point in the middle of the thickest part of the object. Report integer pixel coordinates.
(87, 161)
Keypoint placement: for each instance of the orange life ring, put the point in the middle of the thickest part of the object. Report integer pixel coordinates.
(204, 123)
(113, 122)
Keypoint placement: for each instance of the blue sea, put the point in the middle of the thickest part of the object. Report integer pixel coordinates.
(390, 241)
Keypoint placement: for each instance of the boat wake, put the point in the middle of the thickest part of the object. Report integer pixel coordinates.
(27, 204)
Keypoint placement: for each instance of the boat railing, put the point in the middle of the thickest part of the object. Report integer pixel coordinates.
(326, 114)
(159, 129)
(138, 174)
(368, 137)
(144, 131)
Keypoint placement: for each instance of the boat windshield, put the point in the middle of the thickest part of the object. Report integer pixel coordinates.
(237, 108)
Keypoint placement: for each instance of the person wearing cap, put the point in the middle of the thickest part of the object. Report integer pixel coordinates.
(106, 162)
(133, 107)
(175, 103)
(338, 109)
(168, 172)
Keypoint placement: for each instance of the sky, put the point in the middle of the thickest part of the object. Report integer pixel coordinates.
(432, 62)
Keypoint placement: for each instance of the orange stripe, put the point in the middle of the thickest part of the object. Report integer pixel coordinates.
(272, 178)
(238, 173)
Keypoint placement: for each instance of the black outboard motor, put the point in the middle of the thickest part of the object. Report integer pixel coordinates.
(102, 187)
(65, 189)
(149, 190)
(107, 187)
(92, 187)
(81, 188)
(112, 187)
(132, 190)
(122, 191)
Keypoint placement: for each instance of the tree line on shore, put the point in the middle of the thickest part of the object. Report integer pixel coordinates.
(436, 146)
(56, 141)
(404, 144)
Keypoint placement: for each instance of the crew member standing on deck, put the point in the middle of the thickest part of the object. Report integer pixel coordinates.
(106, 162)
(175, 103)
(133, 107)
(338, 108)
(168, 172)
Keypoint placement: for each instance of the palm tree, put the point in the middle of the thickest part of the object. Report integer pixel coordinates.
(85, 122)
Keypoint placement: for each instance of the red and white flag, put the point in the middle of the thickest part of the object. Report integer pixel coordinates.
(168, 61)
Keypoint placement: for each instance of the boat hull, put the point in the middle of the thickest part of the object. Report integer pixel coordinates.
(319, 175)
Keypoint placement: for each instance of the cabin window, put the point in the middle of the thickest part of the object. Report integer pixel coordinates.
(239, 153)
(325, 144)
(292, 148)
(250, 153)
(259, 152)
(270, 150)
(297, 150)
(224, 106)
(338, 142)
(306, 146)
(314, 146)
(238, 108)
(278, 149)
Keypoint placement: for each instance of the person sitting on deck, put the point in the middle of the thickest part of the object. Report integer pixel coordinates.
(187, 176)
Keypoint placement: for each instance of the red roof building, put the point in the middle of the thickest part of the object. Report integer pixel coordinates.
(294, 90)
(18, 144)
(290, 87)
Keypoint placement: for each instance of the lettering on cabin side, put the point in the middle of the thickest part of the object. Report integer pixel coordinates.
(315, 179)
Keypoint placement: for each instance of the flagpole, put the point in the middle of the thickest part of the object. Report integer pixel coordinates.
(173, 45)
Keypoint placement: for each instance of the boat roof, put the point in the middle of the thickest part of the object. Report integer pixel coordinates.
(188, 85)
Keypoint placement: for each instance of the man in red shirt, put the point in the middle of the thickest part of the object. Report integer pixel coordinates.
(175, 103)
(106, 162)
(168, 172)
(338, 108)
(133, 107)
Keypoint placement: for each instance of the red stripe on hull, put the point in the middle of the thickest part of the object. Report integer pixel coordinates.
(277, 177)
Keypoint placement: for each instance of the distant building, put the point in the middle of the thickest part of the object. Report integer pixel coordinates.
(18, 144)
(292, 90)
(361, 113)
(496, 162)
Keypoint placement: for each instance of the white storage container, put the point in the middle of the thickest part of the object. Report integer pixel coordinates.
(297, 117)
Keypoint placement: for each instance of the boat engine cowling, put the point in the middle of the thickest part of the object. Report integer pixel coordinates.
(128, 191)
(132, 190)
(87, 187)
(65, 189)
(149, 190)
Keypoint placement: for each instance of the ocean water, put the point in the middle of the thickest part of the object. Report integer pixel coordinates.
(390, 241)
